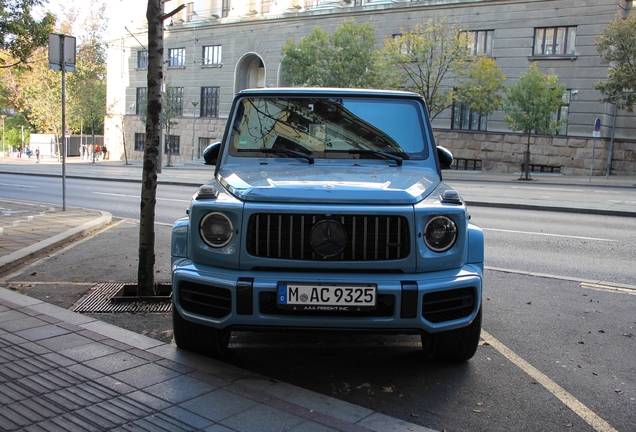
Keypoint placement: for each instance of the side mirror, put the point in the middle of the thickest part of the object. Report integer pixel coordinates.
(211, 153)
(445, 157)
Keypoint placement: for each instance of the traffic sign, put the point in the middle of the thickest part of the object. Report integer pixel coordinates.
(597, 124)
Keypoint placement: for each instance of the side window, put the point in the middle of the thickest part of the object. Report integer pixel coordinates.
(172, 145)
(480, 42)
(554, 41)
(142, 59)
(174, 97)
(141, 99)
(140, 141)
(212, 55)
(465, 119)
(176, 57)
(210, 101)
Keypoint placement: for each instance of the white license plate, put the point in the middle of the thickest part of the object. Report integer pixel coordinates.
(326, 297)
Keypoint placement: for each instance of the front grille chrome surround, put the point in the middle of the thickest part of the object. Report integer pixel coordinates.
(369, 237)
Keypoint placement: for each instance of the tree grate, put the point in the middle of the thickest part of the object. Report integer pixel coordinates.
(99, 300)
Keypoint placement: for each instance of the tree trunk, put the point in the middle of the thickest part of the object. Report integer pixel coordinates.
(145, 273)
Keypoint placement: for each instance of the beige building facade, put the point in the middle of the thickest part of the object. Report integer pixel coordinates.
(214, 48)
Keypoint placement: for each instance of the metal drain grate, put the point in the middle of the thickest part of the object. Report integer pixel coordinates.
(99, 301)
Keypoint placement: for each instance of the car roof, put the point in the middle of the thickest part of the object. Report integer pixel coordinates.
(326, 91)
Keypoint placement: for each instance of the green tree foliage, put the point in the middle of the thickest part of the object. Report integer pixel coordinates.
(531, 105)
(427, 56)
(346, 58)
(21, 34)
(87, 86)
(617, 47)
(483, 89)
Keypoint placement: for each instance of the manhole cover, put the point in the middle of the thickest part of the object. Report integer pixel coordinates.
(100, 300)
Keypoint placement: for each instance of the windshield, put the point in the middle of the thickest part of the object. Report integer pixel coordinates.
(328, 128)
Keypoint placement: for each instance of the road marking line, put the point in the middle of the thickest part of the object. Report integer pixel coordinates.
(19, 185)
(607, 288)
(570, 401)
(549, 235)
(139, 197)
(620, 287)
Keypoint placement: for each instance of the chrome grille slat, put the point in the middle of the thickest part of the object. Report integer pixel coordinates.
(369, 237)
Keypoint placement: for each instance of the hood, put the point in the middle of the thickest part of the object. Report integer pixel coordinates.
(346, 184)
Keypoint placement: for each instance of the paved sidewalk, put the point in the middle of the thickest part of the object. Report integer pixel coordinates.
(61, 370)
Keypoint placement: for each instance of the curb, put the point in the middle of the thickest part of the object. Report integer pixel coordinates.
(591, 211)
(16, 258)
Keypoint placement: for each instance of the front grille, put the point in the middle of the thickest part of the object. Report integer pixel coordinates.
(369, 237)
(448, 305)
(384, 308)
(205, 300)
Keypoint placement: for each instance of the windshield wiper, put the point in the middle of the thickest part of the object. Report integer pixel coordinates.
(381, 154)
(294, 153)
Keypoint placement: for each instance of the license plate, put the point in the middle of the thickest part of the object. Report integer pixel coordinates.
(326, 297)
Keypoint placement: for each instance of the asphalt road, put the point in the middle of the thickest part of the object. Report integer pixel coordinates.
(557, 354)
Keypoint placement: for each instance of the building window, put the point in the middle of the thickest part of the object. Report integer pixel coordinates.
(266, 6)
(465, 119)
(225, 8)
(480, 42)
(142, 59)
(176, 57)
(212, 55)
(210, 101)
(140, 141)
(554, 41)
(172, 145)
(564, 113)
(141, 100)
(174, 99)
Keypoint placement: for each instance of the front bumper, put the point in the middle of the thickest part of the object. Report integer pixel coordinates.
(407, 303)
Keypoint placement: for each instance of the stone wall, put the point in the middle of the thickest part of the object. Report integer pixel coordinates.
(504, 152)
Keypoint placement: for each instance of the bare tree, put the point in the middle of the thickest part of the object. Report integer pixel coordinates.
(145, 273)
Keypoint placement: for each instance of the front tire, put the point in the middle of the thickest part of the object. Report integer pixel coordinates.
(198, 338)
(453, 345)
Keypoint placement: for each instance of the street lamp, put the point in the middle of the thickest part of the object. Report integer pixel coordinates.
(194, 117)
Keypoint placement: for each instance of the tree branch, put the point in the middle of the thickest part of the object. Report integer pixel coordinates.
(174, 12)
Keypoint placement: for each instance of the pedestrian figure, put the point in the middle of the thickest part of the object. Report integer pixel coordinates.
(37, 155)
(98, 151)
(83, 150)
(103, 152)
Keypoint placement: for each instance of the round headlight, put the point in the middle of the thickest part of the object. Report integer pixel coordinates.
(216, 229)
(440, 234)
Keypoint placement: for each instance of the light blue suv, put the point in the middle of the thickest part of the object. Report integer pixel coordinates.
(327, 212)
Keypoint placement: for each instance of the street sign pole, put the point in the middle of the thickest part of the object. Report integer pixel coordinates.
(62, 57)
(595, 134)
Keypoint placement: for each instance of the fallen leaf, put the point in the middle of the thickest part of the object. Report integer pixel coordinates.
(400, 395)
(581, 343)
(594, 373)
(486, 344)
(601, 331)
(477, 411)
(529, 303)
(387, 389)
(618, 390)
(34, 274)
(628, 335)
(415, 415)
(409, 428)
(569, 425)
(480, 403)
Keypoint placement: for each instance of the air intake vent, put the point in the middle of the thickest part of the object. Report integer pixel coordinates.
(205, 300)
(448, 305)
